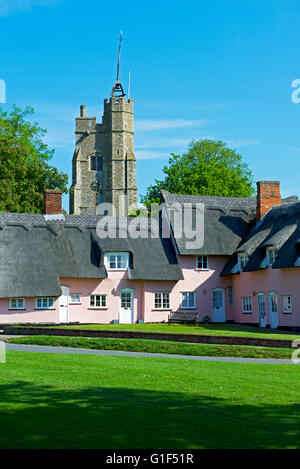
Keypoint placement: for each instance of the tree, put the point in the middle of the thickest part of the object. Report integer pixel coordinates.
(208, 168)
(25, 172)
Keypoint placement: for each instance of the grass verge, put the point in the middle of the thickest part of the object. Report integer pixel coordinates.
(231, 330)
(157, 346)
(79, 401)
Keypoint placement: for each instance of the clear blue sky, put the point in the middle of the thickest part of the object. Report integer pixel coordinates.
(218, 69)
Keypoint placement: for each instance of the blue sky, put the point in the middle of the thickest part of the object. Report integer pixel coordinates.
(217, 69)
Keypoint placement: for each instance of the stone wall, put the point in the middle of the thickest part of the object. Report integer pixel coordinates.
(189, 338)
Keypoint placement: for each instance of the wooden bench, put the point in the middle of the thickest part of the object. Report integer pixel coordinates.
(182, 317)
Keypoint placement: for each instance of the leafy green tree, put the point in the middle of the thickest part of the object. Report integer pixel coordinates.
(25, 171)
(208, 168)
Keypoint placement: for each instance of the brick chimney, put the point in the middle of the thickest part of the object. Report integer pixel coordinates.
(52, 202)
(268, 196)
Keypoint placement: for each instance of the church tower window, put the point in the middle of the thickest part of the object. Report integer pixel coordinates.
(96, 162)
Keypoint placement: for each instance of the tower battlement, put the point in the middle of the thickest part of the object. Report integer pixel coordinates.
(84, 124)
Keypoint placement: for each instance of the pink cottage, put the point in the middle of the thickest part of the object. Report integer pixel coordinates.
(55, 268)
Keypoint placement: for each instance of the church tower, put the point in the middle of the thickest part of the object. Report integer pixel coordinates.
(104, 165)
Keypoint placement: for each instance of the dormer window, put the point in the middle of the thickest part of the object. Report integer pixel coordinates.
(271, 255)
(202, 263)
(116, 260)
(243, 260)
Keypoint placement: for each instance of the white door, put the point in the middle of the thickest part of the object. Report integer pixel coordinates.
(273, 311)
(64, 305)
(262, 311)
(218, 300)
(126, 299)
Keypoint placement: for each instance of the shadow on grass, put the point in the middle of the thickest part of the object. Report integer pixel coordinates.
(35, 416)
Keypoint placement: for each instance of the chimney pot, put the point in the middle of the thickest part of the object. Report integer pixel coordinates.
(268, 196)
(83, 111)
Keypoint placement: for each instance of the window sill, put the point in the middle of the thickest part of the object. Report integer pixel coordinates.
(75, 304)
(44, 309)
(161, 309)
(16, 309)
(287, 312)
(188, 309)
(202, 270)
(97, 309)
(247, 312)
(117, 270)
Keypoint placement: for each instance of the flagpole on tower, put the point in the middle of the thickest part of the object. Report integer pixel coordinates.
(119, 57)
(117, 90)
(129, 83)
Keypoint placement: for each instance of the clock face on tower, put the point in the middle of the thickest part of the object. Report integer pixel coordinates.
(96, 186)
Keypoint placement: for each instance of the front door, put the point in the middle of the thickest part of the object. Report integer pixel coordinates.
(126, 307)
(218, 300)
(64, 305)
(273, 311)
(262, 311)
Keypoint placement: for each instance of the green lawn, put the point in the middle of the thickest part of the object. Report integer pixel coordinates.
(207, 329)
(71, 401)
(157, 346)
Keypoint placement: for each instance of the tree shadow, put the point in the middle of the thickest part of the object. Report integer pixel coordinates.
(40, 416)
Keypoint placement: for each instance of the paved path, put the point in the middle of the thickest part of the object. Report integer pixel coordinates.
(82, 351)
(6, 337)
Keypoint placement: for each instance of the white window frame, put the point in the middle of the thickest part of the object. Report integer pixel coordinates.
(17, 300)
(75, 295)
(271, 255)
(102, 298)
(49, 300)
(243, 260)
(129, 293)
(230, 296)
(161, 308)
(262, 306)
(193, 296)
(287, 304)
(273, 303)
(202, 259)
(247, 304)
(123, 255)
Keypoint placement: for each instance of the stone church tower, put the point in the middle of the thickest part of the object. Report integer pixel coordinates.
(104, 165)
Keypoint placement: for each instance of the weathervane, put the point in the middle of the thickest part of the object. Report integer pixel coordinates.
(117, 90)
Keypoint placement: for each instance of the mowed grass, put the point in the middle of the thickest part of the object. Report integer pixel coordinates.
(157, 346)
(71, 401)
(206, 329)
